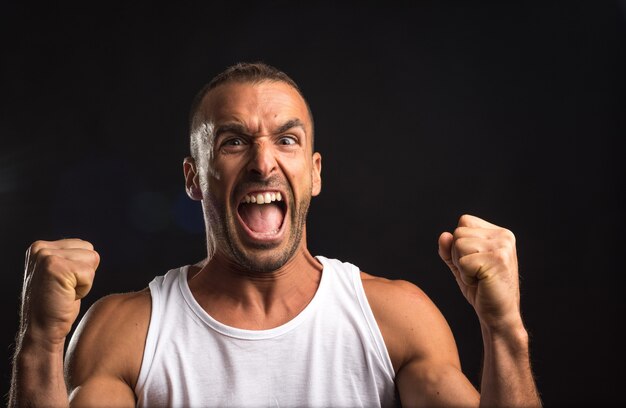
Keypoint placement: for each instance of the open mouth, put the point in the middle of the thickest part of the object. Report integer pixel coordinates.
(262, 213)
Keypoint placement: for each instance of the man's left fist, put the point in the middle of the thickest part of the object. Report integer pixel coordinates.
(483, 259)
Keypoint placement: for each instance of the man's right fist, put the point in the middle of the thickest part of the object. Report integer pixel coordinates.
(57, 275)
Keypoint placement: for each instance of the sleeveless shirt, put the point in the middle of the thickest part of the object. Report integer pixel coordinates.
(332, 354)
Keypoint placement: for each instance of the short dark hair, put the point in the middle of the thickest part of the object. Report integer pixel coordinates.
(246, 72)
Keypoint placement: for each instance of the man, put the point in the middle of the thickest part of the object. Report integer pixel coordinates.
(261, 322)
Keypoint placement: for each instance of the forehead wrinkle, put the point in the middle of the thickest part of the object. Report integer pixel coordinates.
(259, 111)
(290, 124)
(233, 127)
(241, 128)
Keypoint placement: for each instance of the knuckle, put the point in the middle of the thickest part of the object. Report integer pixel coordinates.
(507, 237)
(36, 247)
(464, 219)
(466, 263)
(503, 255)
(459, 242)
(51, 262)
(43, 253)
(458, 231)
(510, 236)
(95, 257)
(510, 246)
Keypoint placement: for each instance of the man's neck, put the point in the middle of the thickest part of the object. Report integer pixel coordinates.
(256, 300)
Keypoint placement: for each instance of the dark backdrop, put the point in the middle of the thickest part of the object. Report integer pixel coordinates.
(512, 112)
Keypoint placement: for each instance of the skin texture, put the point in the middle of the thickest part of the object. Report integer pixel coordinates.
(254, 282)
(58, 274)
(249, 153)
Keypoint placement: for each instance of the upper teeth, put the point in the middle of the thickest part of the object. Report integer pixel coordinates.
(262, 198)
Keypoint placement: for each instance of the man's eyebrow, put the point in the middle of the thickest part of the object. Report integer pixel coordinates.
(292, 123)
(240, 129)
(236, 128)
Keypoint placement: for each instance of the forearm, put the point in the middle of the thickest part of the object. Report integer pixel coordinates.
(507, 379)
(38, 378)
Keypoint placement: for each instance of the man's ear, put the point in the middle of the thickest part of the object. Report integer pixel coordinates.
(316, 174)
(192, 179)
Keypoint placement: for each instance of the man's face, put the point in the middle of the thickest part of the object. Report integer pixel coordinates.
(261, 172)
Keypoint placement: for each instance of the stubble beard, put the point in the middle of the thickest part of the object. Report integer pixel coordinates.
(224, 236)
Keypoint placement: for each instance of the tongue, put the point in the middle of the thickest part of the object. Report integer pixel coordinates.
(264, 218)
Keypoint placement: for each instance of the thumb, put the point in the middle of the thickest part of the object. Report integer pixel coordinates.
(445, 250)
(84, 279)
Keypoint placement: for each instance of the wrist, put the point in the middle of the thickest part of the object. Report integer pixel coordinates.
(38, 373)
(511, 334)
(503, 324)
(37, 343)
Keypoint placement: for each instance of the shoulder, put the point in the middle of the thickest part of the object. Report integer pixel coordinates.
(110, 338)
(395, 298)
(131, 300)
(412, 326)
(126, 312)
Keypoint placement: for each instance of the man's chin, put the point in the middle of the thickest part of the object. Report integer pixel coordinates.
(263, 258)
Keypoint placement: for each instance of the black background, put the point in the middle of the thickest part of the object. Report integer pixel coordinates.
(512, 112)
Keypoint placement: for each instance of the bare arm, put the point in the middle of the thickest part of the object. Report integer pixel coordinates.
(37, 378)
(507, 377)
(57, 275)
(421, 346)
(104, 356)
(483, 259)
(420, 342)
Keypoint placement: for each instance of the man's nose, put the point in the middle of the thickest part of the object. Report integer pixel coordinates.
(263, 161)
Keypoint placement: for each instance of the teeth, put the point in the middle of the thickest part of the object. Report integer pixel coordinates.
(264, 198)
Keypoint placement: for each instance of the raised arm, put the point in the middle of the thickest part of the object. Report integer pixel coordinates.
(57, 276)
(421, 345)
(483, 259)
(104, 355)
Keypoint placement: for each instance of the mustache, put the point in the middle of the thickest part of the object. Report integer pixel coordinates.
(257, 182)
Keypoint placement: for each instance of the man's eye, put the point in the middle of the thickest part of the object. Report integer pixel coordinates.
(235, 141)
(286, 140)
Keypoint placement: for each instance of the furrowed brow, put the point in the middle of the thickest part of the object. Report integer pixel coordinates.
(289, 125)
(231, 127)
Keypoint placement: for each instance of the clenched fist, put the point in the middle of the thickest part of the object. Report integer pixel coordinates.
(483, 259)
(57, 275)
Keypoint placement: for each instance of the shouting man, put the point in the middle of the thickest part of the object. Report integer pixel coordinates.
(262, 322)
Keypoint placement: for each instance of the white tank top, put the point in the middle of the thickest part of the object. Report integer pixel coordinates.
(331, 354)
